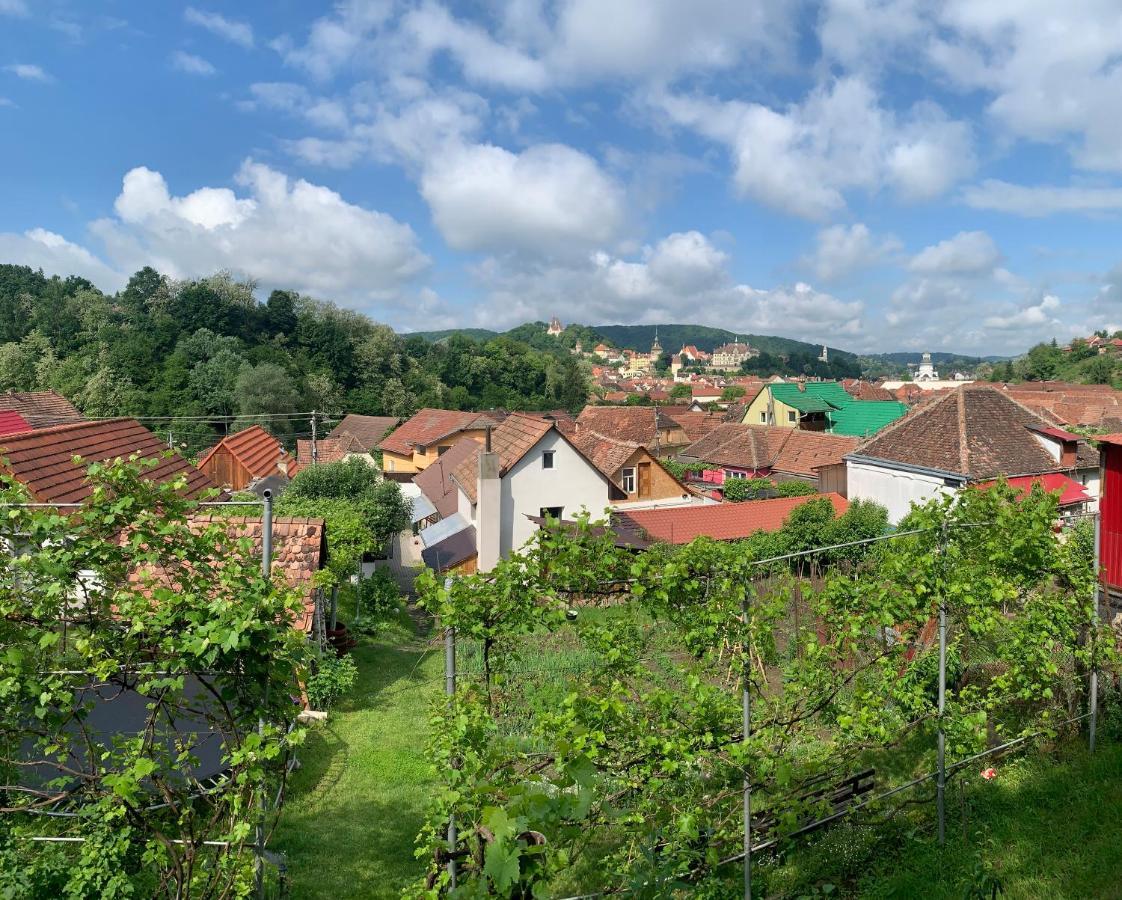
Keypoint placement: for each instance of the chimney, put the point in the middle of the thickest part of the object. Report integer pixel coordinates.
(1067, 454)
(488, 513)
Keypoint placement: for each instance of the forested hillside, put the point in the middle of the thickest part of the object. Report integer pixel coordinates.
(210, 348)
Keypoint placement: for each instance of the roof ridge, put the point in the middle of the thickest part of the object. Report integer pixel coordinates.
(963, 437)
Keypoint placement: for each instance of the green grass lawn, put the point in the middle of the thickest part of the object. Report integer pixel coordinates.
(1048, 826)
(359, 798)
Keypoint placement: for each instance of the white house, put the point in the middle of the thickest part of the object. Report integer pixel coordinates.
(972, 435)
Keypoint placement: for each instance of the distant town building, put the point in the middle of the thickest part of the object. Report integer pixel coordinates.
(555, 327)
(926, 369)
(732, 356)
(824, 356)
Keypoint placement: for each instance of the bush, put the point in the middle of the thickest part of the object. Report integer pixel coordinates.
(335, 676)
(380, 597)
(740, 489)
(795, 489)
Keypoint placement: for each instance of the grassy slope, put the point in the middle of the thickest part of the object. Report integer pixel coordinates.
(359, 798)
(1045, 827)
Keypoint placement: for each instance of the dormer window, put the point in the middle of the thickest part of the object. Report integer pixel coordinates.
(547, 459)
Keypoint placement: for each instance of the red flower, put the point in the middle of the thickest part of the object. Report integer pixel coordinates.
(989, 774)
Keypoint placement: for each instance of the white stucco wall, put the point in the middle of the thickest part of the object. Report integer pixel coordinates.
(893, 489)
(573, 483)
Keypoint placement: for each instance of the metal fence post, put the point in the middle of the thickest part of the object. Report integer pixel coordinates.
(1093, 708)
(450, 691)
(941, 778)
(266, 568)
(746, 700)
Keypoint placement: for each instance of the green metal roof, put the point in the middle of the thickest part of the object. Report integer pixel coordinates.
(862, 418)
(818, 396)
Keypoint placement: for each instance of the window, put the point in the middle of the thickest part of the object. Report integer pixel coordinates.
(629, 481)
(551, 512)
(389, 465)
(547, 459)
(442, 449)
(729, 474)
(763, 418)
(792, 416)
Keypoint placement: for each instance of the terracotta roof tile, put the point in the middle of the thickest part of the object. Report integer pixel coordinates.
(257, 450)
(428, 426)
(606, 453)
(975, 430)
(13, 423)
(436, 480)
(787, 450)
(805, 451)
(41, 409)
(43, 459)
(328, 450)
(368, 431)
(722, 521)
(511, 440)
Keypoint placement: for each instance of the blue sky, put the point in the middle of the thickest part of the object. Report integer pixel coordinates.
(878, 174)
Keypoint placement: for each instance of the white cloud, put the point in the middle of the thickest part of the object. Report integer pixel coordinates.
(29, 72)
(844, 249)
(334, 40)
(240, 33)
(548, 197)
(1043, 312)
(803, 159)
(967, 253)
(42, 249)
(191, 64)
(13, 8)
(1041, 200)
(297, 100)
(285, 232)
(683, 275)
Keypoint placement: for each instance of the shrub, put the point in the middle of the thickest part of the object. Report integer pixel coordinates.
(795, 489)
(380, 597)
(740, 489)
(335, 676)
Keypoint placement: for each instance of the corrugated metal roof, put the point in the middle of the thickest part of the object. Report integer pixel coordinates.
(434, 534)
(863, 418)
(1071, 491)
(453, 550)
(812, 396)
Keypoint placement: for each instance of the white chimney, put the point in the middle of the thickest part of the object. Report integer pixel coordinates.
(488, 513)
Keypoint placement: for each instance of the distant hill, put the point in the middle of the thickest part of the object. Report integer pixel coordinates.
(940, 359)
(476, 334)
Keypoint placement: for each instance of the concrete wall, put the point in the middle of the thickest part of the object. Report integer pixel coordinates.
(893, 489)
(573, 484)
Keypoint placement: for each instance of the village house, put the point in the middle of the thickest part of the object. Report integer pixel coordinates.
(972, 435)
(662, 430)
(42, 460)
(762, 451)
(40, 409)
(423, 438)
(820, 406)
(242, 459)
(364, 433)
(639, 477)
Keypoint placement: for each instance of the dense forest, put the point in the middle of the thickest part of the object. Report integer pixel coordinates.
(208, 347)
(1080, 364)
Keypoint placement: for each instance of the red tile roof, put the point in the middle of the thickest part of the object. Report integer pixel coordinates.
(13, 423)
(722, 521)
(435, 481)
(41, 409)
(368, 431)
(256, 450)
(328, 450)
(805, 451)
(788, 450)
(299, 551)
(43, 459)
(976, 431)
(511, 441)
(1071, 491)
(430, 425)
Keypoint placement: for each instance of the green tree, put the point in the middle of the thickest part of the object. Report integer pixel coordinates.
(733, 392)
(681, 391)
(265, 388)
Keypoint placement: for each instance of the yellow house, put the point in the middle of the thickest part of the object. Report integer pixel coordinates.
(422, 439)
(803, 405)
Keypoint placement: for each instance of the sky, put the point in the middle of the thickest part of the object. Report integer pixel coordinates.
(881, 175)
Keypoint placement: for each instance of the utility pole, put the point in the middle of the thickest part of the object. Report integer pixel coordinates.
(315, 451)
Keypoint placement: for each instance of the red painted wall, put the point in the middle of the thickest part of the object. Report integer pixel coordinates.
(1110, 511)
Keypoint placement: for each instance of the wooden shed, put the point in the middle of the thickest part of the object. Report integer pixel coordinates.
(238, 460)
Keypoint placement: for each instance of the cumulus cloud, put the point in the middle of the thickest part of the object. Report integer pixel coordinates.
(297, 100)
(1041, 200)
(548, 196)
(29, 72)
(802, 159)
(240, 33)
(1043, 312)
(191, 64)
(285, 231)
(42, 249)
(682, 272)
(967, 253)
(335, 39)
(844, 249)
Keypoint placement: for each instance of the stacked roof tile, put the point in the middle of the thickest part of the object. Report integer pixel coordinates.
(367, 431)
(722, 521)
(430, 425)
(43, 459)
(975, 431)
(511, 440)
(40, 409)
